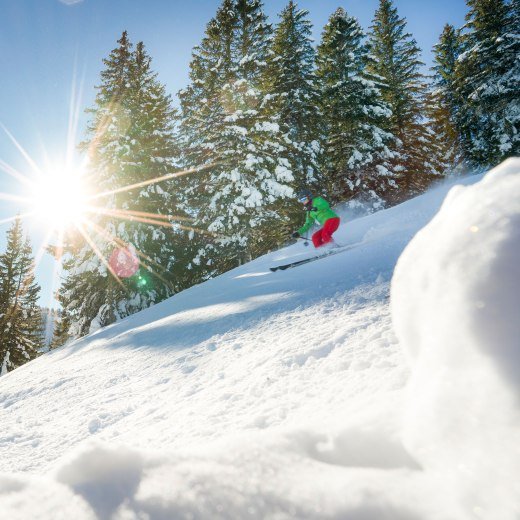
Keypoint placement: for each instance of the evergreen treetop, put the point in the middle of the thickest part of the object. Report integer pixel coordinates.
(356, 147)
(21, 334)
(443, 102)
(487, 79)
(291, 75)
(132, 146)
(292, 100)
(226, 125)
(397, 61)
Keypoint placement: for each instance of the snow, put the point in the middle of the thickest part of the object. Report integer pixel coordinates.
(462, 339)
(3, 370)
(267, 126)
(316, 392)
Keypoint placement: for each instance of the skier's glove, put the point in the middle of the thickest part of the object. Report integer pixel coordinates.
(295, 235)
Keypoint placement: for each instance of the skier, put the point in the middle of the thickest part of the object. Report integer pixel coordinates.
(318, 209)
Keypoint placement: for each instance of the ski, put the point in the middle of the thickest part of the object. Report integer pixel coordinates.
(313, 258)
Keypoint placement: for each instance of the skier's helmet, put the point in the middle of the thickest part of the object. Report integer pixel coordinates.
(304, 196)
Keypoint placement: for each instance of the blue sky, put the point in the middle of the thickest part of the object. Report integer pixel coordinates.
(48, 44)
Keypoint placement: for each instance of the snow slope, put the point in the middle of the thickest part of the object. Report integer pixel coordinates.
(296, 394)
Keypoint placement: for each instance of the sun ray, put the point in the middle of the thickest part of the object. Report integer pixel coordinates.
(43, 247)
(99, 132)
(13, 197)
(21, 149)
(152, 181)
(201, 231)
(118, 242)
(121, 243)
(91, 232)
(99, 254)
(135, 218)
(14, 217)
(74, 112)
(155, 216)
(58, 264)
(57, 268)
(151, 271)
(13, 172)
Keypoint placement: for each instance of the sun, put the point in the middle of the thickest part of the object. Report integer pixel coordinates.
(59, 197)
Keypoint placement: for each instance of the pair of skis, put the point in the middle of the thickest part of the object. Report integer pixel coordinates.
(330, 252)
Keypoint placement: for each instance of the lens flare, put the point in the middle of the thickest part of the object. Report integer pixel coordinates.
(124, 261)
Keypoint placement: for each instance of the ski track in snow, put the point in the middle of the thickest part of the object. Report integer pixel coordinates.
(256, 394)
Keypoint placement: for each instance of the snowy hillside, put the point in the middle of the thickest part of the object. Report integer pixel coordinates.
(337, 389)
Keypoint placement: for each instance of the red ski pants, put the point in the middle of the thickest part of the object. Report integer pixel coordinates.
(324, 235)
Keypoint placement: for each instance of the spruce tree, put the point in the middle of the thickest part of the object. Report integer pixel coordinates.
(357, 148)
(487, 79)
(21, 334)
(261, 179)
(292, 90)
(443, 103)
(131, 145)
(293, 98)
(236, 200)
(202, 136)
(397, 62)
(201, 101)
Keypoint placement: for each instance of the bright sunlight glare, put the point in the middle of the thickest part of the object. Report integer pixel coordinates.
(60, 197)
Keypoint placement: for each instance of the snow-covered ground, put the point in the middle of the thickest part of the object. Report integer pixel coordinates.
(379, 383)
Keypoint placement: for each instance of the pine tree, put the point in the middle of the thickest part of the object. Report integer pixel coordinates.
(292, 98)
(397, 62)
(131, 145)
(87, 286)
(356, 146)
(202, 102)
(21, 334)
(235, 200)
(443, 103)
(202, 134)
(487, 79)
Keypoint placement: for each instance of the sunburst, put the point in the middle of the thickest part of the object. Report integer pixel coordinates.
(59, 197)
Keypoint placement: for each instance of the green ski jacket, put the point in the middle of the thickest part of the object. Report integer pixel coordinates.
(321, 212)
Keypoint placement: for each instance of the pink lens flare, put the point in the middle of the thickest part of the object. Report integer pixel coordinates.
(124, 261)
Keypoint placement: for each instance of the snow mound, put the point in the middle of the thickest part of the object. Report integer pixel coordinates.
(455, 304)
